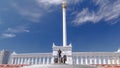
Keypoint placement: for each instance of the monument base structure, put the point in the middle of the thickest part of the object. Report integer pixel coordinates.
(66, 51)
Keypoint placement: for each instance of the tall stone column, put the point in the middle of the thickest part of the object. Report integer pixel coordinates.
(64, 24)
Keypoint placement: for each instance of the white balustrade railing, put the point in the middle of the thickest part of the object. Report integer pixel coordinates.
(77, 58)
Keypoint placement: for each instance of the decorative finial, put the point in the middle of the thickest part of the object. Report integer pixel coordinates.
(53, 44)
(64, 4)
(14, 53)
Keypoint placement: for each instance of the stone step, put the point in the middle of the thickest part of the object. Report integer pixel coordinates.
(59, 66)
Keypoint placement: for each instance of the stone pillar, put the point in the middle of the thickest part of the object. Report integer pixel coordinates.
(39, 60)
(113, 61)
(36, 62)
(95, 60)
(29, 61)
(18, 62)
(21, 60)
(32, 60)
(43, 60)
(52, 60)
(25, 60)
(73, 60)
(104, 62)
(64, 24)
(86, 60)
(77, 60)
(109, 60)
(81, 60)
(12, 61)
(47, 60)
(91, 61)
(99, 61)
(117, 61)
(15, 60)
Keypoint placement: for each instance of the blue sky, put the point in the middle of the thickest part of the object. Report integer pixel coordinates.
(33, 25)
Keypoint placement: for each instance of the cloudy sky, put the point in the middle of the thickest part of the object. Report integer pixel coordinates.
(33, 25)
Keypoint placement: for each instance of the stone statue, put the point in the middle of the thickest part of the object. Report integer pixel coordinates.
(60, 59)
(59, 53)
(64, 59)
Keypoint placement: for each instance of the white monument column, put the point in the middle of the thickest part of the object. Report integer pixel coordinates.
(64, 24)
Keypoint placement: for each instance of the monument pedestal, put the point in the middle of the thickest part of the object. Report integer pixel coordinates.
(66, 51)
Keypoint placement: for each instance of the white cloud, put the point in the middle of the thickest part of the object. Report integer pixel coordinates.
(33, 10)
(30, 12)
(56, 2)
(12, 32)
(108, 10)
(5, 35)
(50, 2)
(19, 29)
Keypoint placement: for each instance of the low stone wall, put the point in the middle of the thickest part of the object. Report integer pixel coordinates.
(11, 66)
